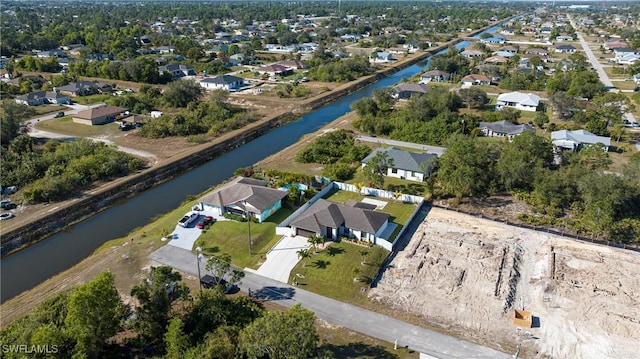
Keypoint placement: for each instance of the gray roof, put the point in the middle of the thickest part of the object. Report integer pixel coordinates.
(323, 214)
(80, 85)
(568, 139)
(404, 160)
(506, 127)
(411, 87)
(223, 80)
(435, 73)
(244, 190)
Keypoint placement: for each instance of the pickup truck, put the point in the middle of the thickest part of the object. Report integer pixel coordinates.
(184, 221)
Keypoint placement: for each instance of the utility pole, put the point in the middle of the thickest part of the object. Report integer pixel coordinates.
(198, 257)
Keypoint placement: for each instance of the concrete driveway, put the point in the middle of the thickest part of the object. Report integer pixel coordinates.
(185, 237)
(282, 258)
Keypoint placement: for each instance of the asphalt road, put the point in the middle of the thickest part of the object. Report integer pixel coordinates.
(430, 149)
(346, 315)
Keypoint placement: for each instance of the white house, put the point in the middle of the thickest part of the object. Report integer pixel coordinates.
(518, 100)
(435, 76)
(224, 82)
(42, 98)
(412, 166)
(575, 140)
(243, 196)
(565, 49)
(381, 57)
(628, 59)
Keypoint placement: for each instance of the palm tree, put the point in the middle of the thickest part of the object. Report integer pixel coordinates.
(315, 240)
(364, 253)
(304, 255)
(356, 273)
(359, 186)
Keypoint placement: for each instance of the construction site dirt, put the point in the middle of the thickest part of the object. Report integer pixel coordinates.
(468, 275)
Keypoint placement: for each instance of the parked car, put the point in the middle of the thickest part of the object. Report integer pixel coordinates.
(209, 281)
(5, 204)
(205, 222)
(59, 114)
(187, 219)
(5, 216)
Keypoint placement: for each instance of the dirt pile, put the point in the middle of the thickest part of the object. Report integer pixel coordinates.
(467, 275)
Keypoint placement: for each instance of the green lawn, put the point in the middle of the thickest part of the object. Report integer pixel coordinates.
(344, 343)
(395, 184)
(233, 238)
(85, 100)
(330, 272)
(65, 125)
(47, 109)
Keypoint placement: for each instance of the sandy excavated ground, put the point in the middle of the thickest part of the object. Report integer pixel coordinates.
(467, 274)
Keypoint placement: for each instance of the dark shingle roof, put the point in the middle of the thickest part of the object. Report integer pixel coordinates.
(506, 127)
(253, 192)
(223, 80)
(323, 214)
(405, 160)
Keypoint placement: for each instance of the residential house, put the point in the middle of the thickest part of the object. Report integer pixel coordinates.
(508, 32)
(41, 98)
(177, 70)
(537, 51)
(165, 49)
(224, 82)
(493, 40)
(475, 80)
(244, 196)
(435, 76)
(381, 57)
(83, 88)
(470, 53)
(614, 44)
(518, 100)
(503, 129)
(3, 62)
(507, 54)
(412, 166)
(562, 38)
(511, 49)
(98, 115)
(51, 53)
(275, 70)
(293, 64)
(578, 139)
(622, 52)
(629, 59)
(565, 49)
(398, 50)
(407, 89)
(334, 220)
(496, 60)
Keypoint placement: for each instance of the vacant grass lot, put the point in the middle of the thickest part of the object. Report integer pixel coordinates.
(330, 272)
(47, 109)
(65, 125)
(233, 238)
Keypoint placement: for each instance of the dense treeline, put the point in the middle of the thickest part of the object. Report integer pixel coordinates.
(92, 321)
(325, 67)
(572, 191)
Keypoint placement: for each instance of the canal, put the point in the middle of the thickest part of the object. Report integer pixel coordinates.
(30, 267)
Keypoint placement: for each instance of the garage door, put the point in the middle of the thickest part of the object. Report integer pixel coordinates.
(304, 232)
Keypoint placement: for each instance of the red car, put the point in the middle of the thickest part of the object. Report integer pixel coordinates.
(204, 222)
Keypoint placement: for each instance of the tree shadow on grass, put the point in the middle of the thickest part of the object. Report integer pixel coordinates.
(211, 250)
(356, 350)
(321, 264)
(332, 251)
(415, 189)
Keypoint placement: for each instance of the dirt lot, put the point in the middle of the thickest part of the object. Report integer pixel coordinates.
(468, 274)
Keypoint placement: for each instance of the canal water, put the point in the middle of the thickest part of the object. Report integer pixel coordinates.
(30, 267)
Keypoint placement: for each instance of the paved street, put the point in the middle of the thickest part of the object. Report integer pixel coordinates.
(430, 149)
(604, 78)
(349, 316)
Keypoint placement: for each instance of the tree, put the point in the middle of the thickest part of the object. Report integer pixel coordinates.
(540, 119)
(376, 169)
(619, 132)
(95, 314)
(467, 167)
(304, 255)
(473, 97)
(315, 240)
(363, 253)
(181, 93)
(220, 267)
(597, 127)
(521, 158)
(356, 274)
(279, 335)
(592, 158)
(175, 341)
(156, 295)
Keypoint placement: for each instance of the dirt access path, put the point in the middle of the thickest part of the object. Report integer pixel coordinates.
(468, 274)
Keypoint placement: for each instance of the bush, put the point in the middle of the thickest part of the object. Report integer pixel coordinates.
(339, 171)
